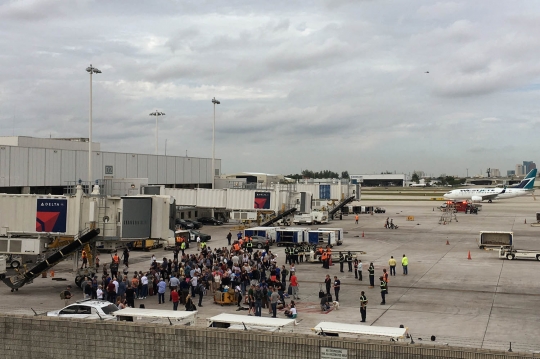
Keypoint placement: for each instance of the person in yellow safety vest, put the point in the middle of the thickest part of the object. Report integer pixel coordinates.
(249, 245)
(183, 247)
(392, 263)
(405, 263)
(84, 259)
(203, 244)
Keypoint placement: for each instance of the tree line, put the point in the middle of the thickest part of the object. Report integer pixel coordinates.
(325, 174)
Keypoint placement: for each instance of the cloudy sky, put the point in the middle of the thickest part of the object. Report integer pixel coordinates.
(323, 84)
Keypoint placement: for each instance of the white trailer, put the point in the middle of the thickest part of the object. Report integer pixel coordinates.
(3, 266)
(509, 252)
(495, 239)
(156, 315)
(337, 231)
(303, 218)
(353, 330)
(235, 321)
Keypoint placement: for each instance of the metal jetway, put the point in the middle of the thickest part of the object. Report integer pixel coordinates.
(79, 241)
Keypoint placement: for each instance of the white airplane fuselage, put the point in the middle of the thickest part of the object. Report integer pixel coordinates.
(475, 194)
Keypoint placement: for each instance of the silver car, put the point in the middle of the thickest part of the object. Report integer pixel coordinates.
(87, 309)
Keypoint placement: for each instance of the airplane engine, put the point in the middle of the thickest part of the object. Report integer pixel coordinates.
(476, 198)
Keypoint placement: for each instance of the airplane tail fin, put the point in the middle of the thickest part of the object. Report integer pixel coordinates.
(528, 181)
(531, 177)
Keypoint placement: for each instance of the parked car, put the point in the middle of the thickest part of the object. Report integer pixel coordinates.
(380, 210)
(196, 224)
(259, 242)
(194, 234)
(87, 309)
(184, 224)
(210, 220)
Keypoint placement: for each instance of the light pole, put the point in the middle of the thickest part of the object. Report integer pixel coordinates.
(91, 70)
(215, 102)
(157, 114)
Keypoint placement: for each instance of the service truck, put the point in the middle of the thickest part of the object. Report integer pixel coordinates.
(495, 239)
(315, 217)
(509, 252)
(3, 266)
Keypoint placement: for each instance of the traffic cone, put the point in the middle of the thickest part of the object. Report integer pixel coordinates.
(447, 243)
(52, 274)
(469, 256)
(362, 234)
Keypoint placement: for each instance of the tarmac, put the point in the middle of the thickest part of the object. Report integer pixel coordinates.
(483, 302)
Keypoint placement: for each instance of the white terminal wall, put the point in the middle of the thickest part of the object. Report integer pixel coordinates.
(37, 167)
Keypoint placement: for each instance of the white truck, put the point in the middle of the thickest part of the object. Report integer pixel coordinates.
(314, 217)
(3, 266)
(495, 239)
(509, 252)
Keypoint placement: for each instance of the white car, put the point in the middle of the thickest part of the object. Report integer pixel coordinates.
(87, 309)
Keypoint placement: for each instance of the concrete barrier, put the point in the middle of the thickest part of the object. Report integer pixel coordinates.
(56, 338)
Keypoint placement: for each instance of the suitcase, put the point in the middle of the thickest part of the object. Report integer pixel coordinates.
(321, 292)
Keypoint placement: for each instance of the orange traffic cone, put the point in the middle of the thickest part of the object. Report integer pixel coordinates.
(469, 256)
(52, 274)
(447, 243)
(362, 234)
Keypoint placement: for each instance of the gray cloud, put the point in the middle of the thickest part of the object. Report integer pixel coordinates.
(334, 84)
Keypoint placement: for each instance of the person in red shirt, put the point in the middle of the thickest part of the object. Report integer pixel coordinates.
(175, 299)
(294, 285)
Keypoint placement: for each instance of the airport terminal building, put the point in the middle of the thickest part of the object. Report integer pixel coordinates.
(49, 165)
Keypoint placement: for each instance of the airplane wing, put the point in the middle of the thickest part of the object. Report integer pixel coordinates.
(487, 197)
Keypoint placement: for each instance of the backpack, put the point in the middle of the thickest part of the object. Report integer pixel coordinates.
(258, 295)
(62, 295)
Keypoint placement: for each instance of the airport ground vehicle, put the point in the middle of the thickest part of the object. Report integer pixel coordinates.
(156, 315)
(259, 242)
(244, 322)
(13, 261)
(184, 224)
(87, 309)
(380, 210)
(265, 232)
(210, 220)
(196, 224)
(195, 234)
(315, 217)
(3, 267)
(291, 236)
(337, 231)
(491, 239)
(509, 252)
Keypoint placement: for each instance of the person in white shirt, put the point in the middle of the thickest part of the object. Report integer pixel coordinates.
(153, 259)
(198, 243)
(194, 282)
(144, 283)
(99, 292)
(115, 282)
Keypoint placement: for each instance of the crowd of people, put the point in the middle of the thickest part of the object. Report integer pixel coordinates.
(254, 276)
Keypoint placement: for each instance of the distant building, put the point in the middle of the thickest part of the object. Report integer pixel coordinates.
(520, 170)
(510, 173)
(528, 166)
(495, 172)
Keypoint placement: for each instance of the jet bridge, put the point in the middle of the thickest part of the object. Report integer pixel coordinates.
(79, 241)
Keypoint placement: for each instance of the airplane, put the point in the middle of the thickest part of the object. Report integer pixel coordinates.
(525, 187)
